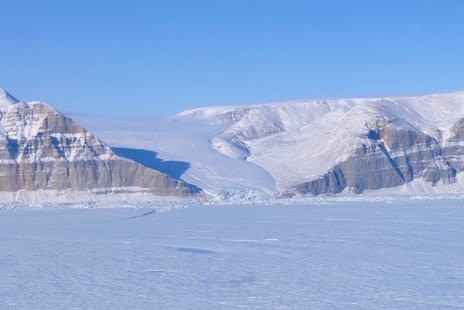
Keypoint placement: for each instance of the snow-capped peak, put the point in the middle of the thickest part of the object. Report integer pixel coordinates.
(6, 100)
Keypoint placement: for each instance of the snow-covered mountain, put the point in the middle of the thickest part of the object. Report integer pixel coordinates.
(368, 146)
(43, 150)
(331, 146)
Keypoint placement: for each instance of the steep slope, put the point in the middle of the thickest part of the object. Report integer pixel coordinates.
(40, 148)
(330, 146)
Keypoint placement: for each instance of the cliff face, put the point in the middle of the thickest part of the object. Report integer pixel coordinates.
(390, 157)
(40, 148)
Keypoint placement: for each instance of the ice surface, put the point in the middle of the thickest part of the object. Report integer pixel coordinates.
(190, 143)
(339, 255)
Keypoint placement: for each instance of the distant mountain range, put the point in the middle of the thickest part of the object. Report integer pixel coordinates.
(367, 147)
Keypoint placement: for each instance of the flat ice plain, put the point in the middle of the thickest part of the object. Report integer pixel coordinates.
(338, 255)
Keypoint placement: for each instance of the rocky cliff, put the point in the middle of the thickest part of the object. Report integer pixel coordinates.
(390, 156)
(40, 148)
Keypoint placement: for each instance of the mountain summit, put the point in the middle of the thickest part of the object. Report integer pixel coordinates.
(6, 100)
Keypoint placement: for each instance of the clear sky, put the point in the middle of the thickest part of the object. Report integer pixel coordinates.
(161, 57)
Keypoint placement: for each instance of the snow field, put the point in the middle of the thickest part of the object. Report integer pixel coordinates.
(338, 255)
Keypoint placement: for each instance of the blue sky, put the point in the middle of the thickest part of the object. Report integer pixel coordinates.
(161, 57)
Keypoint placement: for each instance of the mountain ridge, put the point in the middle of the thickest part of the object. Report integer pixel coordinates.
(6, 100)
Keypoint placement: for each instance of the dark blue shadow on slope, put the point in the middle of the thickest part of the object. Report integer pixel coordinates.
(149, 159)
